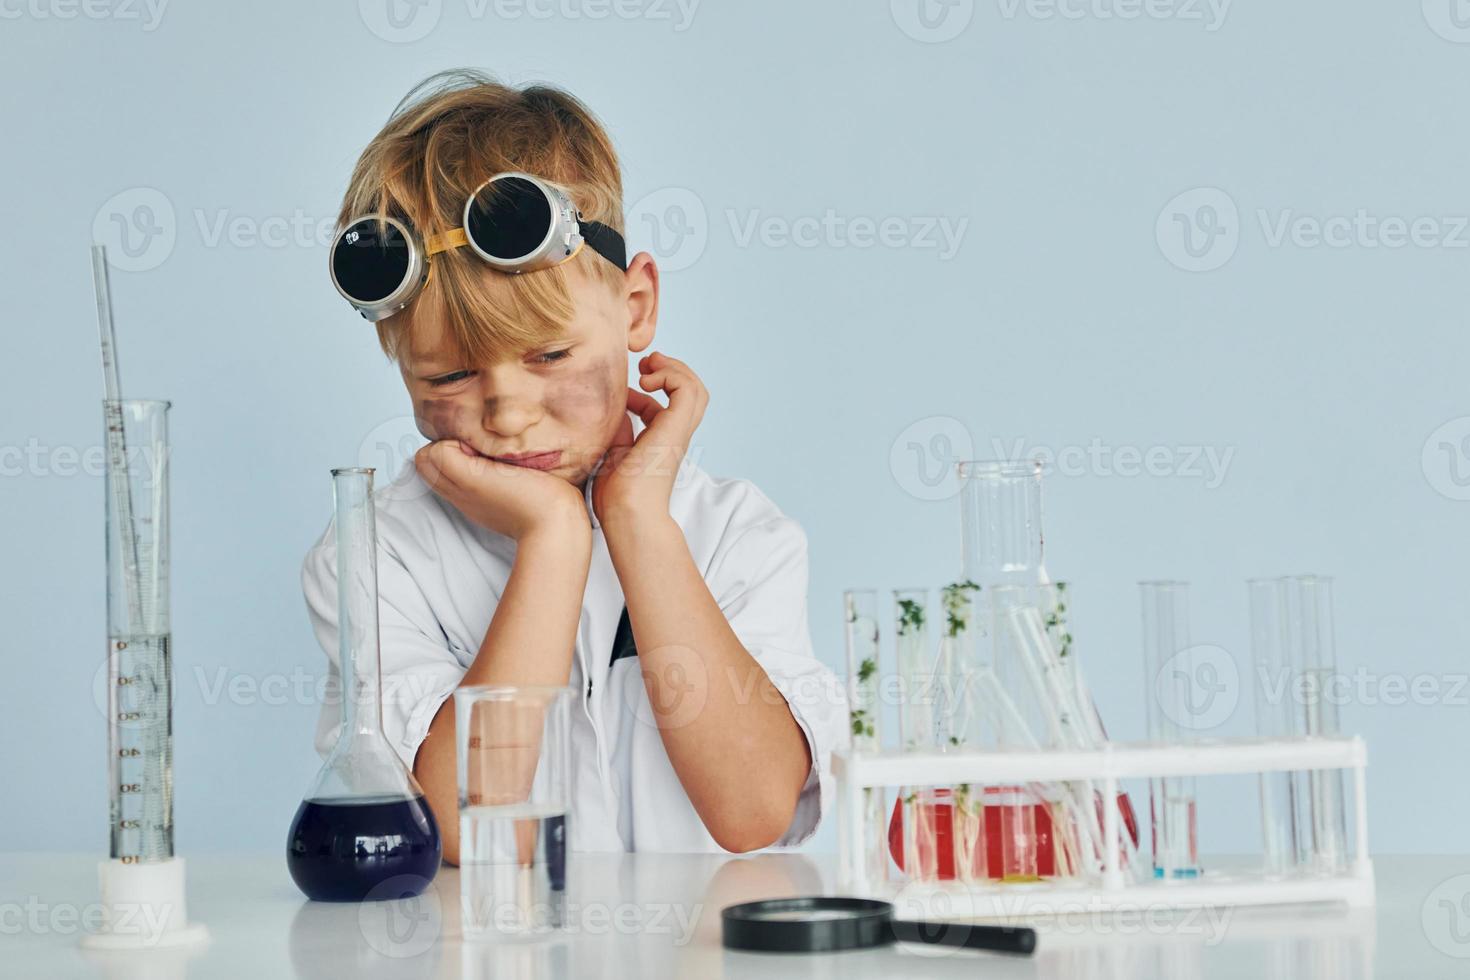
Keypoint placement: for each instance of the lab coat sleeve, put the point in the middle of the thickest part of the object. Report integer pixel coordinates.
(760, 583)
(419, 671)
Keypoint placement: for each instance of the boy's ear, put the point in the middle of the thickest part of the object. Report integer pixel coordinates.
(641, 287)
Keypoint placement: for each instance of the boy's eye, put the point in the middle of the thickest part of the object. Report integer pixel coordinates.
(449, 379)
(552, 356)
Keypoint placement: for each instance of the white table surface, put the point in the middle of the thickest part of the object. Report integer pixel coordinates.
(657, 915)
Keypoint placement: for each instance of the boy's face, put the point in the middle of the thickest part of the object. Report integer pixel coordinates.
(565, 398)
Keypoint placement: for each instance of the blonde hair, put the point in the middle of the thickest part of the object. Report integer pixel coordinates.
(447, 136)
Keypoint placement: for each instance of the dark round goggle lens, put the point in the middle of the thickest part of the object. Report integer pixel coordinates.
(509, 218)
(370, 260)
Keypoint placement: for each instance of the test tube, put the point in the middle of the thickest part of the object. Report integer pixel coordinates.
(1169, 672)
(960, 723)
(1274, 678)
(916, 718)
(1321, 814)
(860, 626)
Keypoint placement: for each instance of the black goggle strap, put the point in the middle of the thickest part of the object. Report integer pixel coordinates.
(605, 242)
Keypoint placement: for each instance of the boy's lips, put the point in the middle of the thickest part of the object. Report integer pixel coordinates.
(535, 461)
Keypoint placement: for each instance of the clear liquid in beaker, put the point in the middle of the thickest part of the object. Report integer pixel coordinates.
(340, 850)
(512, 870)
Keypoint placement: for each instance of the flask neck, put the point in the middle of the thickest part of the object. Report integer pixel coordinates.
(357, 602)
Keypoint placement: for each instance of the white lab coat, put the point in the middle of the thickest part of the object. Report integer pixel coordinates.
(439, 580)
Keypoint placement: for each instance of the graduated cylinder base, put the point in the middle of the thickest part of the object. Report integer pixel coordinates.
(143, 907)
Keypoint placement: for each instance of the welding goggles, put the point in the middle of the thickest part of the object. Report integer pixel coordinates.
(514, 222)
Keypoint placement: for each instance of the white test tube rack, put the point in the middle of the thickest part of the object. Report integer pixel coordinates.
(1104, 767)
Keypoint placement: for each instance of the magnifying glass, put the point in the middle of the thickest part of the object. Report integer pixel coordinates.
(825, 923)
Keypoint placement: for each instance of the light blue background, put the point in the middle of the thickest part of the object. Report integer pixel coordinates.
(1063, 320)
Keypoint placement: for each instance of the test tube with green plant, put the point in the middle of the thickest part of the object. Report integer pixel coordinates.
(959, 721)
(916, 717)
(860, 622)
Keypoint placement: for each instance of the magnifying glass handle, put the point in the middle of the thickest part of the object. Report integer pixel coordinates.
(998, 939)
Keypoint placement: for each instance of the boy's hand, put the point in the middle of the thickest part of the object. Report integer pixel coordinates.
(636, 477)
(511, 500)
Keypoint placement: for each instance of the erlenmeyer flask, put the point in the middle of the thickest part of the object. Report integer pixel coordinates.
(364, 829)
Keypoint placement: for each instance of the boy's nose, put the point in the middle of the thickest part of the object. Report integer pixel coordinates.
(509, 417)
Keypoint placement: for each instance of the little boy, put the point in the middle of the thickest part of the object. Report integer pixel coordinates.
(553, 532)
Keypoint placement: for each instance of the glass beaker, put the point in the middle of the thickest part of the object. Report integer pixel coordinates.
(1275, 676)
(514, 759)
(1170, 670)
(364, 830)
(1000, 522)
